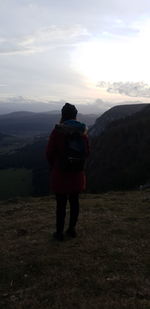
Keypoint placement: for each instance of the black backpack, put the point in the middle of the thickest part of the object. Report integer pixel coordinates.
(73, 158)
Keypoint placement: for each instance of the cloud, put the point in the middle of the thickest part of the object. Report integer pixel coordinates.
(131, 89)
(39, 39)
(42, 40)
(14, 46)
(29, 104)
(3, 85)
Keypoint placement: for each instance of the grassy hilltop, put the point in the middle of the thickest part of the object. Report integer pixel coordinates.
(107, 266)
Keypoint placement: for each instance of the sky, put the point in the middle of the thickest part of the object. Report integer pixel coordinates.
(83, 52)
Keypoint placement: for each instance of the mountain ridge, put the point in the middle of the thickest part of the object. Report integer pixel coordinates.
(120, 155)
(114, 113)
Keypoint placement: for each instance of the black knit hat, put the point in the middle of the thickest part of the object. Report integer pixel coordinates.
(68, 111)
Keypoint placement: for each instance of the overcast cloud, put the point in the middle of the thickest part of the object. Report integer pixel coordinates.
(131, 89)
(60, 50)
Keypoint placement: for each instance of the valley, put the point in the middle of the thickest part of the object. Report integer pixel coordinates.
(119, 150)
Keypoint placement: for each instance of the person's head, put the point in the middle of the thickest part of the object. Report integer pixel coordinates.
(68, 112)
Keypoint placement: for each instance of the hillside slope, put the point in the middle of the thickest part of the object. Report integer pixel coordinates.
(106, 266)
(120, 157)
(114, 113)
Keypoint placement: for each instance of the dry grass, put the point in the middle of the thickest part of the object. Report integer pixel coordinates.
(107, 266)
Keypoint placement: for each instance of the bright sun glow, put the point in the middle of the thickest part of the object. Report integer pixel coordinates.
(114, 58)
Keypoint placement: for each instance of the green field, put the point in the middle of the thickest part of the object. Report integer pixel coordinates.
(15, 182)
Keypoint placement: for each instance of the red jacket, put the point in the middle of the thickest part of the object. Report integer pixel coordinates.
(62, 181)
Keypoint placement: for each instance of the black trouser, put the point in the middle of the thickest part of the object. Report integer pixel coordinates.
(61, 200)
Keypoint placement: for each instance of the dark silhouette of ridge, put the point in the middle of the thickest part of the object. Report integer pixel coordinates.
(114, 113)
(120, 156)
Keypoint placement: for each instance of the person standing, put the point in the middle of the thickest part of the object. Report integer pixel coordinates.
(67, 167)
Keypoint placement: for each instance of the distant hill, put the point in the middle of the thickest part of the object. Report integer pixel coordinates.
(25, 123)
(114, 113)
(120, 156)
(25, 104)
(21, 104)
(3, 136)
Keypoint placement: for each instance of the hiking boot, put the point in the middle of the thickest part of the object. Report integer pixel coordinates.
(71, 232)
(58, 236)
